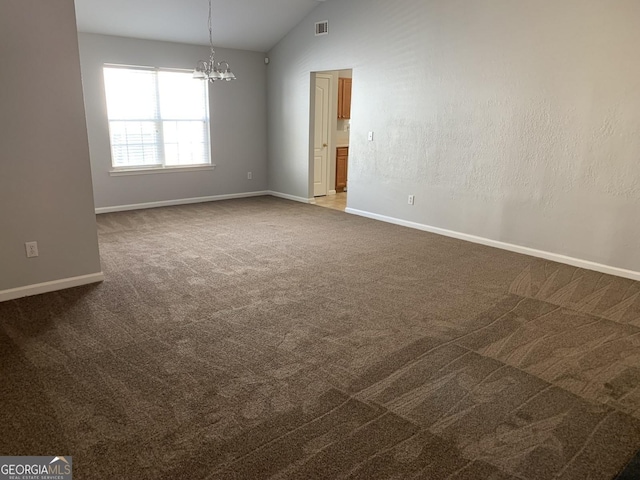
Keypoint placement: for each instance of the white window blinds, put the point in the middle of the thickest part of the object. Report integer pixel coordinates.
(157, 118)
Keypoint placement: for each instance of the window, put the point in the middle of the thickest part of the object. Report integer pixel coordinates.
(157, 118)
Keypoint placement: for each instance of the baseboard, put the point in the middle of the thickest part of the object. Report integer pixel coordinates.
(332, 192)
(180, 201)
(291, 197)
(555, 257)
(47, 287)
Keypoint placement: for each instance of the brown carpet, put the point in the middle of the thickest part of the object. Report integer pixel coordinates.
(262, 338)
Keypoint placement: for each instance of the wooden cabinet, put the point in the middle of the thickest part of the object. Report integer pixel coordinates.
(344, 98)
(342, 158)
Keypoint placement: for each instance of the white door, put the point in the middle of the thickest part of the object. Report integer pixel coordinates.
(321, 136)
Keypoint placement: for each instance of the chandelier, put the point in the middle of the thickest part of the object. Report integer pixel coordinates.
(213, 70)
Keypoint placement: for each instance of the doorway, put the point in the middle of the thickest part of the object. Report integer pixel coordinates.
(330, 128)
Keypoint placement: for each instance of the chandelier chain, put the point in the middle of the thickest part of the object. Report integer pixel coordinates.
(210, 29)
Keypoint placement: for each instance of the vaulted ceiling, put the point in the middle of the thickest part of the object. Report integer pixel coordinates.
(244, 24)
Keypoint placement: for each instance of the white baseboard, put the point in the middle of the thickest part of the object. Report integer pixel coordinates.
(291, 197)
(555, 257)
(180, 201)
(332, 192)
(47, 287)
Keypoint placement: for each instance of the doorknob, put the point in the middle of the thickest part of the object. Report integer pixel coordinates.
(325, 145)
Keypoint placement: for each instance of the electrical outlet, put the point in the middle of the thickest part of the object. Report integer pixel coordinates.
(32, 249)
(370, 137)
(249, 175)
(412, 199)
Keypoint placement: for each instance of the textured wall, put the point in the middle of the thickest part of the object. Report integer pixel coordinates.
(238, 122)
(45, 178)
(511, 120)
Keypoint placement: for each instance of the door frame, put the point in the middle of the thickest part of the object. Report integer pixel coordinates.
(332, 76)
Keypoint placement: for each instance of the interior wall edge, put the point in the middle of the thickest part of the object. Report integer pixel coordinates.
(554, 257)
(179, 201)
(47, 287)
(286, 196)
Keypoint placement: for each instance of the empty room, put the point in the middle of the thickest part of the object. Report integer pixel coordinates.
(178, 302)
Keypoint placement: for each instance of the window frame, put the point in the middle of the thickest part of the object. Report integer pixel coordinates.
(162, 167)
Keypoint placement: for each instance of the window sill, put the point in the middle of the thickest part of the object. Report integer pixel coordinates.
(121, 172)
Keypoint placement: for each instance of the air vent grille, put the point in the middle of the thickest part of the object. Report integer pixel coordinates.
(322, 28)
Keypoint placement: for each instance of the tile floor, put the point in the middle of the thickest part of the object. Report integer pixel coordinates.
(335, 202)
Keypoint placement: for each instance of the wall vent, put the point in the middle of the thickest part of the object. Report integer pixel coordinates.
(322, 28)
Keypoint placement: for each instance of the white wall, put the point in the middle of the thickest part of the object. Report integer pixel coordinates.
(509, 120)
(238, 122)
(45, 179)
